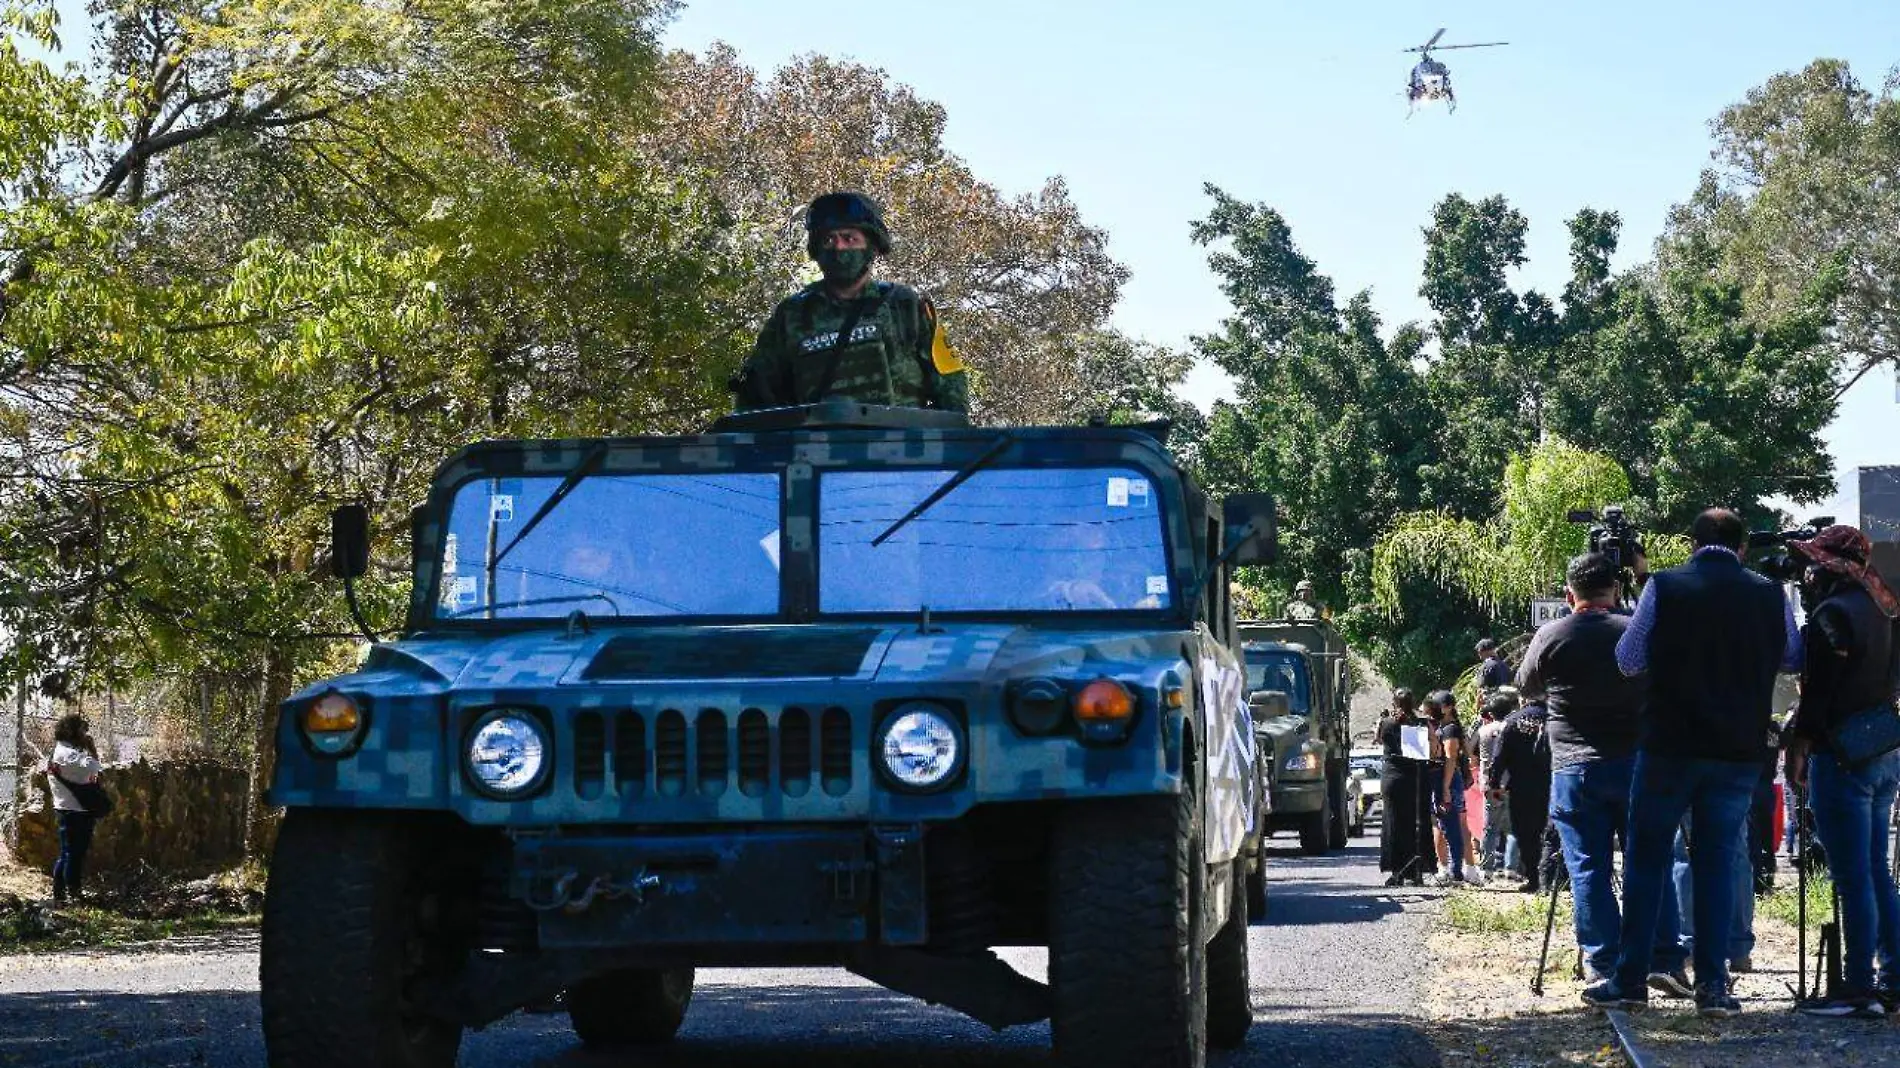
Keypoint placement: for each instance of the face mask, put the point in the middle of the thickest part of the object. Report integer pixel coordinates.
(843, 266)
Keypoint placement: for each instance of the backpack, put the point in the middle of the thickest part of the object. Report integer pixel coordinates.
(91, 796)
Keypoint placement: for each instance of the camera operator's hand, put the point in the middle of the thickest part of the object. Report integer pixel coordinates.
(1797, 766)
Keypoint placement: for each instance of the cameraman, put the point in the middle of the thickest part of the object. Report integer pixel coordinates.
(1712, 636)
(1849, 682)
(1593, 712)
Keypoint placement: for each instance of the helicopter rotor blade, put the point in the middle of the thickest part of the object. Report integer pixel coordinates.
(1486, 44)
(1435, 37)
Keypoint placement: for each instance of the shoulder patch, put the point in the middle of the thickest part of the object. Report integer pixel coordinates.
(942, 355)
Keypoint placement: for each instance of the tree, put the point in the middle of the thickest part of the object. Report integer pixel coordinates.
(1519, 553)
(1022, 281)
(1661, 372)
(265, 258)
(1804, 188)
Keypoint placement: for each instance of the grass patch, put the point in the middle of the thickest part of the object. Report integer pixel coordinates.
(1785, 903)
(37, 929)
(1475, 912)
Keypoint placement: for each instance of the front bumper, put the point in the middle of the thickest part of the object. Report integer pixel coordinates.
(838, 886)
(1298, 798)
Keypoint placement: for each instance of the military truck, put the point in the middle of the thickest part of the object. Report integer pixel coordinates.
(835, 685)
(1298, 690)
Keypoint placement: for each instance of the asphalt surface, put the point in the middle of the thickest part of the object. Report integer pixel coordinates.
(1337, 968)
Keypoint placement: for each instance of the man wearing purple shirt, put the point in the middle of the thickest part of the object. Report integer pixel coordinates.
(1710, 636)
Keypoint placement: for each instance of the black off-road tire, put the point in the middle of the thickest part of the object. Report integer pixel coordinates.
(340, 928)
(1127, 947)
(1230, 977)
(1336, 800)
(1316, 830)
(632, 1007)
(1257, 891)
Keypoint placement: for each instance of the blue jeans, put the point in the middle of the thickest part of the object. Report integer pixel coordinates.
(1589, 803)
(1452, 822)
(1716, 795)
(75, 838)
(1852, 810)
(1741, 928)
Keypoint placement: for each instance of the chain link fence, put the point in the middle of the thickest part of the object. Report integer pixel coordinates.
(212, 714)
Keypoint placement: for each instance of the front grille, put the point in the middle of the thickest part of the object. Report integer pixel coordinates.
(693, 753)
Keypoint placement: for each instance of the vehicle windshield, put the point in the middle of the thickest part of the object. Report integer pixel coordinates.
(618, 545)
(1007, 540)
(1269, 669)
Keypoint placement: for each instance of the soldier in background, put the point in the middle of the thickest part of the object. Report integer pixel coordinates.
(1303, 606)
(849, 334)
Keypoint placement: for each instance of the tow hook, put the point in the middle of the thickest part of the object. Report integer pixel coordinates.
(562, 896)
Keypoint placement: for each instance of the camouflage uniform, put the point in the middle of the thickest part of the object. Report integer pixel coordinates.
(896, 353)
(1301, 610)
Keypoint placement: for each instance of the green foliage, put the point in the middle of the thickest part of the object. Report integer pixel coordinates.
(1803, 193)
(264, 257)
(1671, 395)
(1520, 553)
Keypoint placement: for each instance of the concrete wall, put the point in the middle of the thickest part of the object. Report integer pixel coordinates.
(182, 817)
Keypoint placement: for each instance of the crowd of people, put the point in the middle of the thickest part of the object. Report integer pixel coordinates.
(1641, 726)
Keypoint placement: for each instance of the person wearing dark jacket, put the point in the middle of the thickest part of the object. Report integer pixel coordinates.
(1520, 773)
(1852, 663)
(1711, 636)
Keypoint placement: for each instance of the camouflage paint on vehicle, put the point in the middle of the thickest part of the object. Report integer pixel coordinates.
(422, 693)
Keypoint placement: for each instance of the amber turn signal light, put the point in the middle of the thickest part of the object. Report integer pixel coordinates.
(1104, 700)
(330, 714)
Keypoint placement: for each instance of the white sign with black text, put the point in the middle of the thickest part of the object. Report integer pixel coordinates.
(1547, 610)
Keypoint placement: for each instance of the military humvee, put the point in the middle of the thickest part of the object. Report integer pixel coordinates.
(1305, 734)
(836, 685)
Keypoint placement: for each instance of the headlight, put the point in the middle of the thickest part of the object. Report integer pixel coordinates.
(333, 724)
(1305, 761)
(507, 753)
(921, 746)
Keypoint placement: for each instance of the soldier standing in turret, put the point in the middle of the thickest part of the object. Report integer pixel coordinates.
(849, 334)
(1303, 606)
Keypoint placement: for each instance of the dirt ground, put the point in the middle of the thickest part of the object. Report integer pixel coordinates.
(1482, 1011)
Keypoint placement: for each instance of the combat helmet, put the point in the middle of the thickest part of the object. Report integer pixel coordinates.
(837, 211)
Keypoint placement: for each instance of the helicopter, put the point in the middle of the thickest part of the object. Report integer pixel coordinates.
(1431, 80)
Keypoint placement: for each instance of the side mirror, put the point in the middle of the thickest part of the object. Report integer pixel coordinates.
(349, 541)
(1253, 530)
(1269, 704)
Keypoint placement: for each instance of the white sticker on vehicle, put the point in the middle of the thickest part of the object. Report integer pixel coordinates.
(770, 544)
(1138, 492)
(501, 507)
(1157, 584)
(1118, 492)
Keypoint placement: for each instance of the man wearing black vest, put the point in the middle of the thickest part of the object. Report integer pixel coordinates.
(1711, 636)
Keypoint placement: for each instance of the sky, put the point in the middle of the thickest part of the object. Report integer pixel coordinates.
(1301, 106)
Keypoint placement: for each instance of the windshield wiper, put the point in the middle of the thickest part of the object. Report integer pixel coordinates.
(997, 447)
(581, 470)
(559, 599)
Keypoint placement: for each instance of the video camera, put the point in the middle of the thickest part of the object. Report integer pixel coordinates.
(1613, 536)
(1780, 564)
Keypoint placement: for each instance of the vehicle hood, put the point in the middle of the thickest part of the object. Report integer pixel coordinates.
(727, 655)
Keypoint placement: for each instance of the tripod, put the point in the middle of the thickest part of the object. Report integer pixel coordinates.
(1550, 867)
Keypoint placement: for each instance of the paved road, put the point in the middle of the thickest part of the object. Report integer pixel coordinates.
(1336, 968)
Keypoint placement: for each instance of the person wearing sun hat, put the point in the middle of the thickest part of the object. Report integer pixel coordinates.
(1846, 750)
